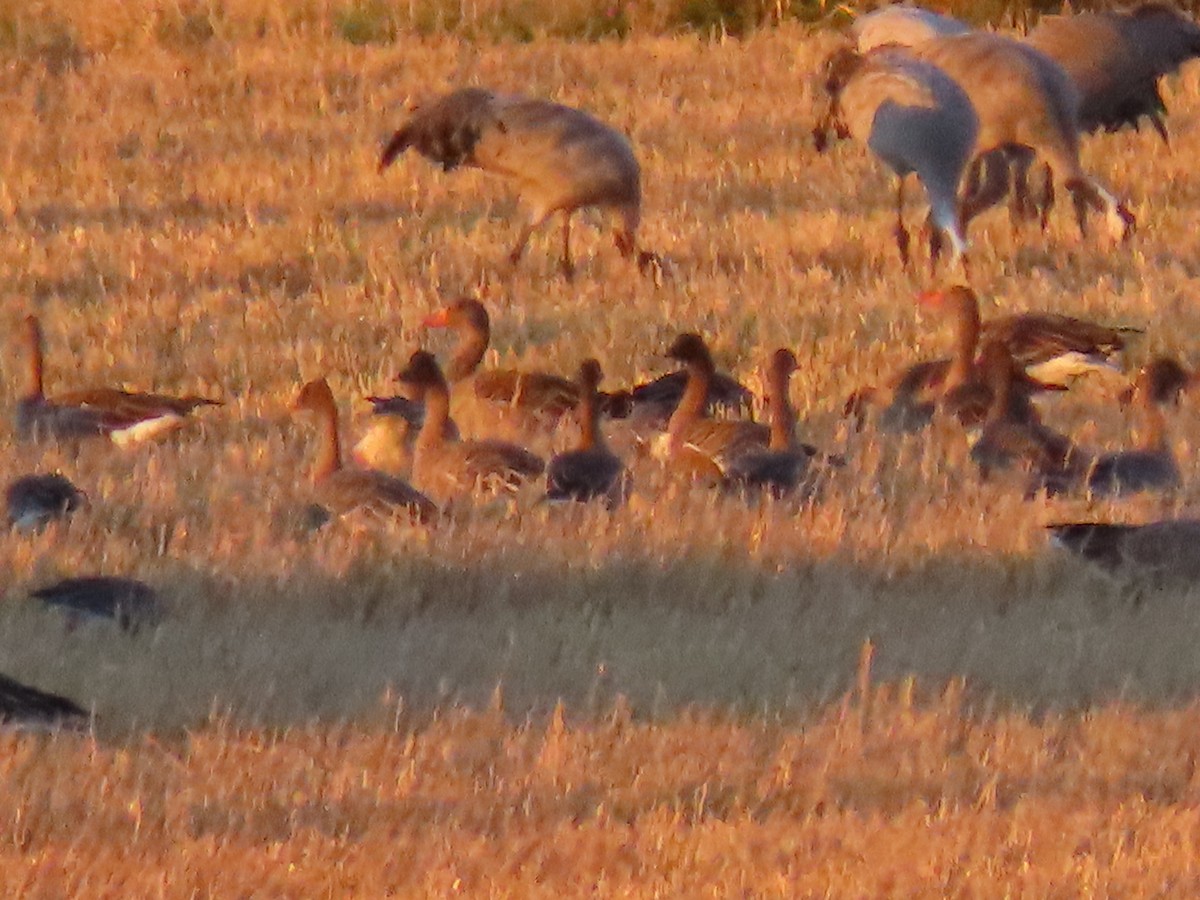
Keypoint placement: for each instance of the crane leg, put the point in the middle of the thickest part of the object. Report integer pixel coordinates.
(568, 267)
(535, 222)
(990, 189)
(901, 232)
(1047, 197)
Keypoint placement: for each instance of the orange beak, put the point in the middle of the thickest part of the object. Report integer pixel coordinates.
(439, 319)
(931, 299)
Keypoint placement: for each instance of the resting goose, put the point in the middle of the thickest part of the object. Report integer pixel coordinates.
(591, 470)
(24, 708)
(693, 443)
(129, 603)
(343, 489)
(784, 464)
(1011, 439)
(122, 416)
(539, 393)
(1149, 466)
(1051, 348)
(1166, 548)
(447, 466)
(956, 384)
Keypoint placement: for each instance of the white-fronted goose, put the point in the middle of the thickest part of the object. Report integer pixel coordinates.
(591, 470)
(25, 708)
(446, 466)
(342, 489)
(1166, 549)
(130, 603)
(784, 464)
(34, 501)
(1051, 348)
(562, 158)
(653, 402)
(122, 416)
(1150, 466)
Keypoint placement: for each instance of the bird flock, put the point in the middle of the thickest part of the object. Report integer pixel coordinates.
(976, 116)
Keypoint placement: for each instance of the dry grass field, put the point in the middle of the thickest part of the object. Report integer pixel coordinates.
(666, 700)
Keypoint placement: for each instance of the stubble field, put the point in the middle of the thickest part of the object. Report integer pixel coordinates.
(668, 699)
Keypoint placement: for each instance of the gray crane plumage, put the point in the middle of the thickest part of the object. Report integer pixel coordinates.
(903, 25)
(1116, 59)
(914, 118)
(1024, 99)
(563, 159)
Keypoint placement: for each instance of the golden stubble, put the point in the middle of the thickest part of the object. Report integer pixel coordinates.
(207, 218)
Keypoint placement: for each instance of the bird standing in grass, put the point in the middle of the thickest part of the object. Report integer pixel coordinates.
(1116, 59)
(562, 159)
(916, 120)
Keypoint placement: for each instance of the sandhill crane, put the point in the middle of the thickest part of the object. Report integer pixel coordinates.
(1116, 60)
(563, 159)
(903, 25)
(912, 116)
(1028, 104)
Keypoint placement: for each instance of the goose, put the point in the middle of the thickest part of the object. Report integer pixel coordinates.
(1052, 349)
(538, 393)
(124, 417)
(916, 120)
(34, 501)
(652, 402)
(344, 489)
(1009, 439)
(1149, 466)
(1166, 548)
(693, 444)
(783, 466)
(562, 158)
(911, 397)
(446, 466)
(24, 708)
(1167, 379)
(591, 470)
(126, 601)
(388, 441)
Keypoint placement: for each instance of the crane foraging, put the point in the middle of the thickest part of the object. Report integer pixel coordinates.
(915, 119)
(1027, 105)
(563, 159)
